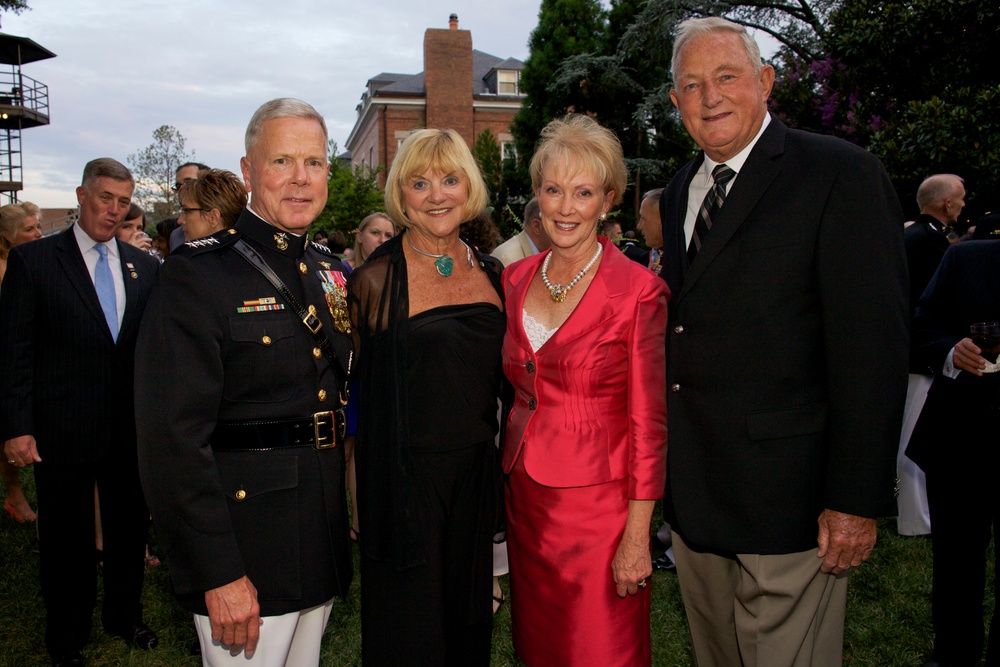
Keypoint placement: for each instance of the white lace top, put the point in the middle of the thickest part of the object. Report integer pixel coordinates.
(537, 333)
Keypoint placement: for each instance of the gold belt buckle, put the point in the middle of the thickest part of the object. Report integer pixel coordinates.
(324, 421)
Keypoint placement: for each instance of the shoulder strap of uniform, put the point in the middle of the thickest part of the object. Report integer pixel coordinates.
(308, 318)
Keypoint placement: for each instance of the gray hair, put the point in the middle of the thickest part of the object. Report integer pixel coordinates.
(655, 192)
(283, 107)
(105, 167)
(936, 188)
(694, 28)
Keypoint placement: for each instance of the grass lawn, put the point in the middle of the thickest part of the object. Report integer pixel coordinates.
(888, 612)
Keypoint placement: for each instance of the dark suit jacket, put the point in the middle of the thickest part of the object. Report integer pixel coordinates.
(213, 349)
(65, 380)
(957, 427)
(925, 246)
(787, 347)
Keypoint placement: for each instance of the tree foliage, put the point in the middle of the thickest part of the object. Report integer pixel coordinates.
(353, 194)
(565, 28)
(502, 182)
(154, 169)
(16, 6)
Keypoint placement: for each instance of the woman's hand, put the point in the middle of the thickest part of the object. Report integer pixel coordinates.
(633, 563)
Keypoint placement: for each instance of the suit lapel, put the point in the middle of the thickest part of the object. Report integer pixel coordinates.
(673, 212)
(132, 284)
(71, 261)
(754, 178)
(598, 304)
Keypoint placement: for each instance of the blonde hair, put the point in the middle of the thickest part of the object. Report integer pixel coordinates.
(581, 141)
(369, 219)
(438, 150)
(12, 216)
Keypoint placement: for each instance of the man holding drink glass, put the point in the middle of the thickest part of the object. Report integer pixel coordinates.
(956, 335)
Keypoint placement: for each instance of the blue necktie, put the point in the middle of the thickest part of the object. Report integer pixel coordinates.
(105, 285)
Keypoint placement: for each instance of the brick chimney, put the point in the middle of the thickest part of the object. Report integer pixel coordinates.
(448, 79)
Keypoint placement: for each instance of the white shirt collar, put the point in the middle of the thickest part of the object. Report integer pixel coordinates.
(87, 244)
(737, 161)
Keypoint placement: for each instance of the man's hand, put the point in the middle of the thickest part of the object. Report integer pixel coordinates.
(845, 540)
(21, 451)
(967, 357)
(235, 616)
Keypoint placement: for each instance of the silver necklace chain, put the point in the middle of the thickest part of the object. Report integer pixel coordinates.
(443, 263)
(558, 292)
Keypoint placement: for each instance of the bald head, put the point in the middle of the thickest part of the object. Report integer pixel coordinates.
(942, 196)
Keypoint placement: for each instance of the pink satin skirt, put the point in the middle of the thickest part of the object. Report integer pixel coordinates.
(564, 607)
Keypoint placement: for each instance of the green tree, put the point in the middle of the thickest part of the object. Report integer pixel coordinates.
(565, 28)
(154, 169)
(499, 173)
(16, 6)
(353, 194)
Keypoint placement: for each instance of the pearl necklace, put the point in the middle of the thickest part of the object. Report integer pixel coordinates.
(558, 292)
(443, 263)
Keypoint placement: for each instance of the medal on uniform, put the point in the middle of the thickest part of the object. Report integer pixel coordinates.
(335, 289)
(131, 269)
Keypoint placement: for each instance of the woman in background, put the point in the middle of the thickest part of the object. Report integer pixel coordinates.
(18, 224)
(374, 230)
(210, 203)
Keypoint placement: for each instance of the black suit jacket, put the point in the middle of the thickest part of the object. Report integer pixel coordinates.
(218, 345)
(787, 347)
(925, 246)
(957, 427)
(65, 380)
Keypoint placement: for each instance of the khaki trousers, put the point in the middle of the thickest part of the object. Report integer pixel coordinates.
(755, 610)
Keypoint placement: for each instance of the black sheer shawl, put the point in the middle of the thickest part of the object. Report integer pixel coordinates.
(379, 304)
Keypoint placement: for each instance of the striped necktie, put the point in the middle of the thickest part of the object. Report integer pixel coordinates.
(714, 199)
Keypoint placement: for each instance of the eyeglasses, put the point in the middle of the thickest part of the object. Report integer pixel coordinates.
(191, 210)
(177, 186)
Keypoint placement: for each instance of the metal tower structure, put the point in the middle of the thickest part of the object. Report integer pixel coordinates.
(24, 103)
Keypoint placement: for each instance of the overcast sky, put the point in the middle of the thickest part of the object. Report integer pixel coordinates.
(125, 68)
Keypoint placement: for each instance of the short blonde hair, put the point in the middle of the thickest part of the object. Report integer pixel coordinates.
(582, 142)
(438, 150)
(12, 216)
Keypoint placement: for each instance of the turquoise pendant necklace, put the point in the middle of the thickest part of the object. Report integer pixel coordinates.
(443, 263)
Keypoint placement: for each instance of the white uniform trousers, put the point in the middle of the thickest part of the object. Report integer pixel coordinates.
(291, 640)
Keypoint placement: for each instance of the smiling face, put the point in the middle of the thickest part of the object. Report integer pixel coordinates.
(104, 203)
(286, 173)
(435, 202)
(722, 100)
(571, 203)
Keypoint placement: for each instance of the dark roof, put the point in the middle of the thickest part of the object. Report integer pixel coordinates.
(482, 65)
(16, 50)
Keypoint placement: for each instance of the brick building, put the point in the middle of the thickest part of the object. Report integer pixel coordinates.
(460, 88)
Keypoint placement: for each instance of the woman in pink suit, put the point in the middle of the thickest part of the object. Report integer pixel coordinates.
(586, 440)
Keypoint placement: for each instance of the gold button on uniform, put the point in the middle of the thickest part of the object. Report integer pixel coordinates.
(303, 269)
(266, 340)
(321, 395)
(317, 352)
(241, 495)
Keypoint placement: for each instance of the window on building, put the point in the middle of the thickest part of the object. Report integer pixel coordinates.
(508, 82)
(508, 150)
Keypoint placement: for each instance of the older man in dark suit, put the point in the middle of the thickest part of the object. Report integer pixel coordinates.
(786, 362)
(955, 443)
(69, 316)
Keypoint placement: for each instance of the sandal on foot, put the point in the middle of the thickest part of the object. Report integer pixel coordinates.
(18, 515)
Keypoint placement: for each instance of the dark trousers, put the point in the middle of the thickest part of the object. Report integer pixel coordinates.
(67, 569)
(963, 505)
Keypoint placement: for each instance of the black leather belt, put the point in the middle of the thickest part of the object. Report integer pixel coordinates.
(324, 430)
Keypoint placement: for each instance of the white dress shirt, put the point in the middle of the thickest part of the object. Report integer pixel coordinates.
(90, 257)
